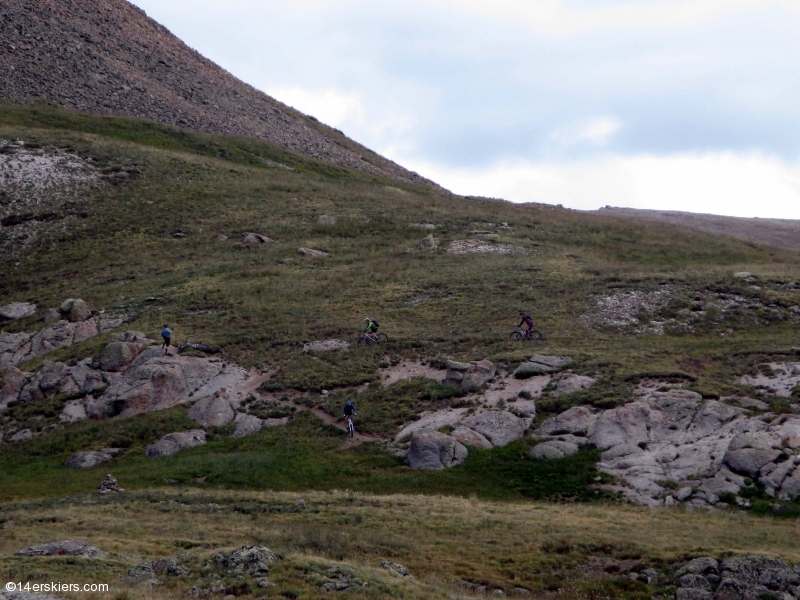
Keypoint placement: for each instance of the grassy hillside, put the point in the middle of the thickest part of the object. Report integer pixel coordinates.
(155, 235)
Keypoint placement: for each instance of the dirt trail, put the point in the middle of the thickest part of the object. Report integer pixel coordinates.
(358, 438)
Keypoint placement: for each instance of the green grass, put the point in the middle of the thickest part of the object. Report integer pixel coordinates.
(313, 460)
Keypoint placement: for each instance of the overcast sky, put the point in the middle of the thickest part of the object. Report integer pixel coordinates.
(670, 104)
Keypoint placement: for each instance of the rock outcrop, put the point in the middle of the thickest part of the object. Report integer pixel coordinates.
(708, 446)
(18, 347)
(172, 443)
(469, 375)
(434, 450)
(735, 578)
(154, 381)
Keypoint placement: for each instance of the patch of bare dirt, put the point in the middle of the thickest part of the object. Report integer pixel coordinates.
(482, 247)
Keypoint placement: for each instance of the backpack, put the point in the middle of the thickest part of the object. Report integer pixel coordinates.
(374, 322)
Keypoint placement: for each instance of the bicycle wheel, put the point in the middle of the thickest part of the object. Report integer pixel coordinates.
(363, 341)
(351, 429)
(536, 335)
(383, 338)
(516, 335)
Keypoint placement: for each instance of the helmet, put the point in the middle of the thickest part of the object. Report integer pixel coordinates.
(522, 313)
(367, 319)
(348, 403)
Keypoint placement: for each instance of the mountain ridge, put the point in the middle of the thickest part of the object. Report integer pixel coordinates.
(109, 57)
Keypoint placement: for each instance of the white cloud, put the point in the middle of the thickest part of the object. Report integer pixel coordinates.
(564, 16)
(330, 106)
(719, 183)
(595, 132)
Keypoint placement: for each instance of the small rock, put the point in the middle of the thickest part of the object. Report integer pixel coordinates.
(683, 494)
(222, 238)
(311, 253)
(395, 568)
(429, 226)
(21, 436)
(742, 275)
(65, 548)
(429, 243)
(16, 311)
(253, 239)
(326, 220)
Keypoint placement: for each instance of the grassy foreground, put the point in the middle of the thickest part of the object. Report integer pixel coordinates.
(563, 551)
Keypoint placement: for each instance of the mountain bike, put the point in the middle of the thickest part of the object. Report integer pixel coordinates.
(351, 429)
(524, 334)
(200, 346)
(367, 339)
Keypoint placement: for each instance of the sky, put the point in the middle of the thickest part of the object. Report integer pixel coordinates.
(664, 104)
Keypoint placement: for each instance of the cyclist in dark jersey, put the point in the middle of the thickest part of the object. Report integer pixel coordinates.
(527, 320)
(349, 410)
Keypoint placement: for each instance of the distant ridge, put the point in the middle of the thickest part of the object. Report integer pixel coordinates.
(783, 233)
(108, 56)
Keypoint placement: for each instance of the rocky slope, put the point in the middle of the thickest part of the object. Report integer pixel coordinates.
(107, 56)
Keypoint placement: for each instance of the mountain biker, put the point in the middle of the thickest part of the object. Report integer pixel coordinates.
(166, 333)
(527, 320)
(371, 329)
(349, 410)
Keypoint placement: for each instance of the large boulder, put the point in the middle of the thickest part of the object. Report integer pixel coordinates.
(748, 452)
(172, 443)
(577, 420)
(116, 356)
(246, 425)
(64, 548)
(88, 459)
(214, 411)
(434, 450)
(75, 310)
(497, 426)
(16, 311)
(469, 375)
